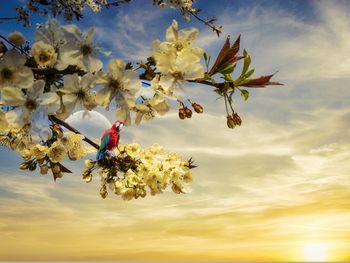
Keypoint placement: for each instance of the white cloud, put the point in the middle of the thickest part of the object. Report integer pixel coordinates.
(286, 164)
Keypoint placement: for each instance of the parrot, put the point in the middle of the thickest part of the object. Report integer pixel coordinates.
(110, 139)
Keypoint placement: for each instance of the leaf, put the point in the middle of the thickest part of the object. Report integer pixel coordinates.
(205, 56)
(260, 82)
(245, 94)
(247, 61)
(227, 55)
(248, 74)
(64, 169)
(227, 69)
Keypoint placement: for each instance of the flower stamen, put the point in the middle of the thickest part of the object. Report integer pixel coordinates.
(6, 74)
(31, 105)
(86, 50)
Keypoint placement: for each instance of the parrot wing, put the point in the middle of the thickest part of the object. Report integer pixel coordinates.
(103, 145)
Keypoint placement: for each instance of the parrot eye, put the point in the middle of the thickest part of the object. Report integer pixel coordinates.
(120, 126)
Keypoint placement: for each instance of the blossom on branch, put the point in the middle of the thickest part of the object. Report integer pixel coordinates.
(31, 108)
(120, 84)
(13, 73)
(177, 60)
(51, 33)
(79, 50)
(132, 172)
(44, 54)
(148, 109)
(76, 90)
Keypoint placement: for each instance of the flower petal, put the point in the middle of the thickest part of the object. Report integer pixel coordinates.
(12, 96)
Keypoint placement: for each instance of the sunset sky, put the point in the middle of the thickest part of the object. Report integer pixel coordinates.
(275, 189)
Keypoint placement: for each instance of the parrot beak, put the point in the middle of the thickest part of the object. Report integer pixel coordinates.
(119, 125)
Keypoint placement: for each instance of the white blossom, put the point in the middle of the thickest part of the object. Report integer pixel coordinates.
(177, 60)
(151, 107)
(31, 108)
(121, 85)
(44, 54)
(79, 50)
(51, 33)
(76, 90)
(13, 73)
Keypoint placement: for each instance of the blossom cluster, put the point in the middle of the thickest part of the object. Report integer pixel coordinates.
(62, 72)
(177, 60)
(136, 171)
(49, 155)
(185, 6)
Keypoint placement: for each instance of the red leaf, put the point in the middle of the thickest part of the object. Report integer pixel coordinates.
(227, 55)
(260, 82)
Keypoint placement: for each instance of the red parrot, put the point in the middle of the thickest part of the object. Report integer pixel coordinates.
(110, 139)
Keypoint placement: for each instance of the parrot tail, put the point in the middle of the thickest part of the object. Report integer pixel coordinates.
(99, 155)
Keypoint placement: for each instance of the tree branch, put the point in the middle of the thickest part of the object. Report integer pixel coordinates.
(54, 119)
(53, 71)
(8, 18)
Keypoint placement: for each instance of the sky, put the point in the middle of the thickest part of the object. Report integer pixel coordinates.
(275, 189)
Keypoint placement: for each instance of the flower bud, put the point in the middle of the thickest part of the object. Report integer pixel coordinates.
(230, 123)
(88, 178)
(57, 130)
(57, 175)
(188, 112)
(177, 189)
(103, 191)
(72, 155)
(24, 166)
(26, 154)
(13, 145)
(44, 169)
(89, 163)
(182, 113)
(16, 38)
(118, 187)
(32, 166)
(197, 108)
(56, 169)
(141, 192)
(237, 120)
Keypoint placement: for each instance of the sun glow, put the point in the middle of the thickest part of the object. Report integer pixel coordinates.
(315, 252)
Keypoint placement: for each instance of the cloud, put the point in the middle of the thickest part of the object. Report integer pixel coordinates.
(261, 189)
(130, 36)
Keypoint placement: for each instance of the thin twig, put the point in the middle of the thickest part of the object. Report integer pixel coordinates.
(214, 28)
(53, 118)
(14, 46)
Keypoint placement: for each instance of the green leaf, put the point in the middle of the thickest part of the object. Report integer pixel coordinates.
(245, 94)
(248, 74)
(227, 78)
(247, 61)
(227, 69)
(205, 56)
